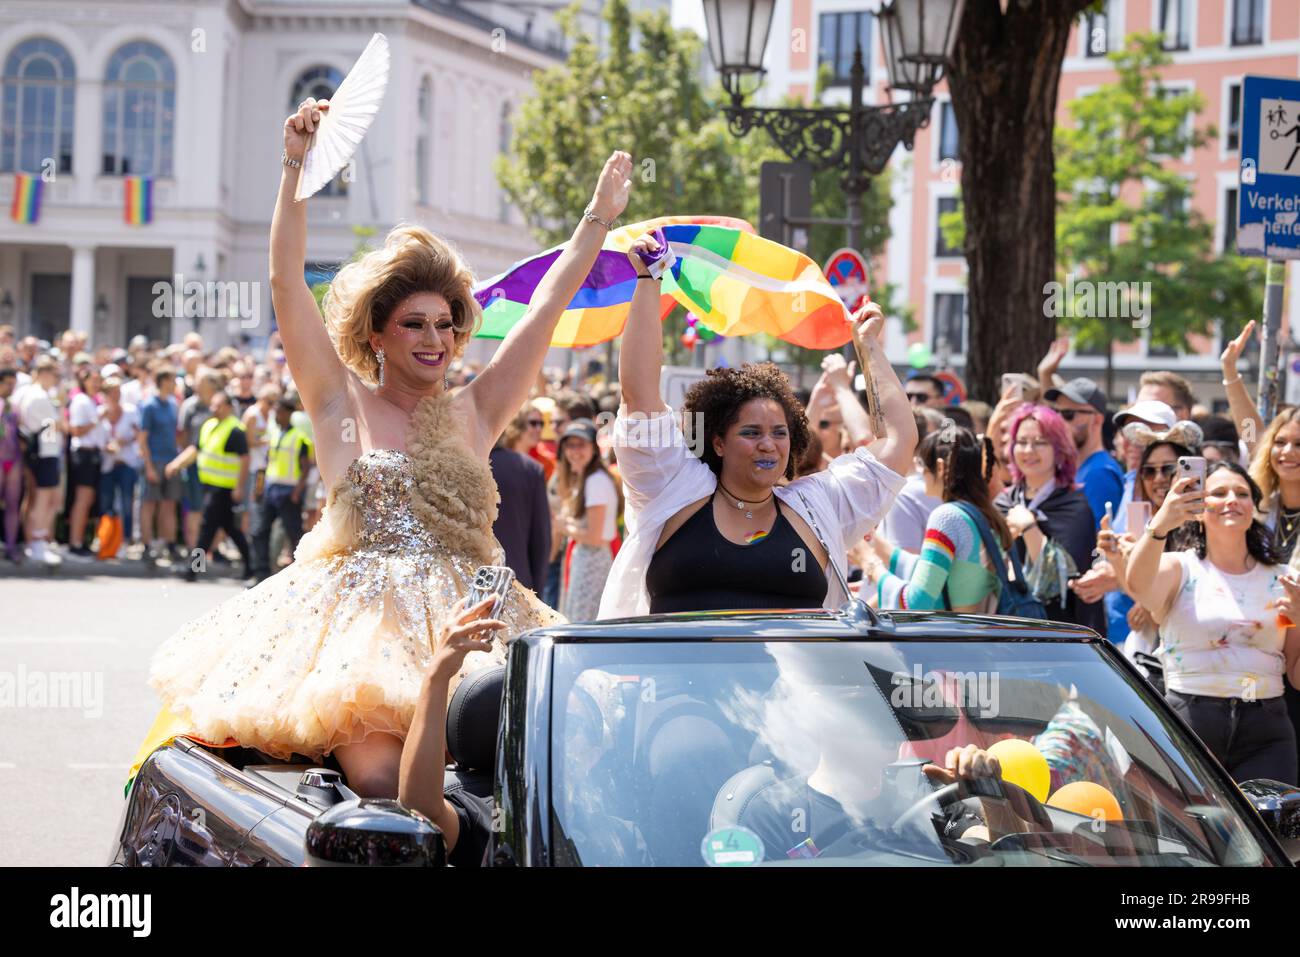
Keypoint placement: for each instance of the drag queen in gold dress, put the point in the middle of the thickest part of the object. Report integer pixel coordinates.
(328, 656)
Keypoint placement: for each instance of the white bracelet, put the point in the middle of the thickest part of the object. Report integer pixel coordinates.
(1227, 382)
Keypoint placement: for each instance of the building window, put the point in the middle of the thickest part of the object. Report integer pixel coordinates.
(1232, 129)
(838, 35)
(423, 138)
(1247, 22)
(320, 82)
(1169, 147)
(1174, 25)
(949, 325)
(139, 111)
(1096, 32)
(1230, 220)
(38, 85)
(505, 133)
(947, 204)
(949, 148)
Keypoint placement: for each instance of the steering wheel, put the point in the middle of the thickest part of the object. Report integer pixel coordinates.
(1024, 804)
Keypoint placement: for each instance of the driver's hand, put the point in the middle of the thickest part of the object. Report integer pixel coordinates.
(966, 763)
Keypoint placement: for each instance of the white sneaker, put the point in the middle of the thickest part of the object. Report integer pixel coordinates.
(52, 558)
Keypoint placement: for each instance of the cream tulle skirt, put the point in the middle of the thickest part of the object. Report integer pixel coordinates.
(324, 653)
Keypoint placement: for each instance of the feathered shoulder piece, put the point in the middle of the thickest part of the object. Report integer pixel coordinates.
(455, 495)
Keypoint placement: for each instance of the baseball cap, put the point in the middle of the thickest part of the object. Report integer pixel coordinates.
(112, 369)
(1150, 411)
(1081, 390)
(583, 428)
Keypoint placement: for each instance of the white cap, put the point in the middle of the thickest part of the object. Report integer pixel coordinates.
(111, 369)
(1150, 411)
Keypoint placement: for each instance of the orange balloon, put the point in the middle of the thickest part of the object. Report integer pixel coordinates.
(1086, 798)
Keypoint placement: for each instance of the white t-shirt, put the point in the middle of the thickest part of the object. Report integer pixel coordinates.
(1221, 636)
(126, 431)
(37, 416)
(599, 490)
(132, 392)
(83, 411)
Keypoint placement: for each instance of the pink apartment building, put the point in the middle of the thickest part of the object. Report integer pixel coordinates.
(1213, 43)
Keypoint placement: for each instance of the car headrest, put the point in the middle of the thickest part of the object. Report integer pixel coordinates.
(472, 719)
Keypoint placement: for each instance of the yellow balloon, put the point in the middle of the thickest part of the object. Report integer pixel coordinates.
(1086, 798)
(1023, 764)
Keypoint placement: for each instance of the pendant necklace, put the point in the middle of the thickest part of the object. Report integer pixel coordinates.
(740, 504)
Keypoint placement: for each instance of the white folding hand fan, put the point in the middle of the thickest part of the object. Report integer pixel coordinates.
(352, 107)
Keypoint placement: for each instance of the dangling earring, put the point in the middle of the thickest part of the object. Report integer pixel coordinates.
(380, 356)
(445, 384)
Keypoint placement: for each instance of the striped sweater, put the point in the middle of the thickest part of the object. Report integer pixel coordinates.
(951, 554)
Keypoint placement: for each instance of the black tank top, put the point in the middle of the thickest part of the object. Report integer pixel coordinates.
(698, 569)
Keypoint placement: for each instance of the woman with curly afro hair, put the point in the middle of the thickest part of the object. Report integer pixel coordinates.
(725, 523)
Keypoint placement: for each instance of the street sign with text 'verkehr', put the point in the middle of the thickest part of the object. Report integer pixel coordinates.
(1268, 200)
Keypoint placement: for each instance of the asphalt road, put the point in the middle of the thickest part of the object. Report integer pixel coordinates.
(85, 642)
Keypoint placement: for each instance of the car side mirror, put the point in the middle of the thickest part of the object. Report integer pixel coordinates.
(1279, 805)
(374, 833)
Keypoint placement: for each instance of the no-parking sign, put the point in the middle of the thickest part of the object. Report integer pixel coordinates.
(1268, 200)
(847, 272)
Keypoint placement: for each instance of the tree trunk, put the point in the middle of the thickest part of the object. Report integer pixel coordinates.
(1004, 79)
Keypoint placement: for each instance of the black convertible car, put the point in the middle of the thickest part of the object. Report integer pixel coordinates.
(792, 738)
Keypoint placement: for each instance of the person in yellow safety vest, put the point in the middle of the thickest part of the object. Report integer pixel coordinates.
(289, 459)
(223, 473)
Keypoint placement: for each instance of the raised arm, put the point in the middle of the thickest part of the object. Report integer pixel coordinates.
(641, 352)
(317, 371)
(838, 376)
(502, 387)
(1152, 574)
(897, 446)
(421, 770)
(1240, 405)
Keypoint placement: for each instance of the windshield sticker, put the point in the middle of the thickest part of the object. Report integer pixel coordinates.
(732, 847)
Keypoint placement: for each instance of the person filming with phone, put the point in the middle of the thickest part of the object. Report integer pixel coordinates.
(1225, 608)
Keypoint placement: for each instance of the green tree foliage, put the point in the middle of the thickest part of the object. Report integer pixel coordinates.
(1125, 213)
(645, 96)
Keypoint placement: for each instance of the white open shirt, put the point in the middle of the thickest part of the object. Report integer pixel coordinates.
(661, 477)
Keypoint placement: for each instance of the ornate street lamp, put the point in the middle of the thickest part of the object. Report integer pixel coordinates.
(918, 35)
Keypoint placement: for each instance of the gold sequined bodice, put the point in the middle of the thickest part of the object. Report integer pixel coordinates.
(384, 480)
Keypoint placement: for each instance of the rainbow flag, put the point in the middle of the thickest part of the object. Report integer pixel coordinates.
(26, 207)
(736, 282)
(137, 191)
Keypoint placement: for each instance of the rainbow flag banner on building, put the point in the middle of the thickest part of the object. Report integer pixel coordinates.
(26, 207)
(735, 281)
(137, 192)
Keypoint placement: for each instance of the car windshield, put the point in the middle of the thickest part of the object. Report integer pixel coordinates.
(751, 752)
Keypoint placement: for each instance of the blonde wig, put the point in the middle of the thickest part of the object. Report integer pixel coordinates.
(366, 291)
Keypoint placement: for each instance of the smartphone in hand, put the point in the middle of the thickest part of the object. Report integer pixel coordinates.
(494, 580)
(1193, 465)
(1137, 514)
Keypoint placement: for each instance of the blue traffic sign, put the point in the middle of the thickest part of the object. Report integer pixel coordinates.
(1268, 198)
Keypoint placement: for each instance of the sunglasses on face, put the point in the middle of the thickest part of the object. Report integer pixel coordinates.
(1164, 471)
(827, 423)
(920, 398)
(534, 423)
(1069, 414)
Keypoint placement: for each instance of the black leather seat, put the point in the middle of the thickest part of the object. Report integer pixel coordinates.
(473, 719)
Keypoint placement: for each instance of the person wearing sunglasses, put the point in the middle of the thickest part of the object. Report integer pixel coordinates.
(1083, 407)
(924, 390)
(1155, 475)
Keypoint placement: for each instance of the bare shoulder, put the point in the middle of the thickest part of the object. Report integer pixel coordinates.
(681, 518)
